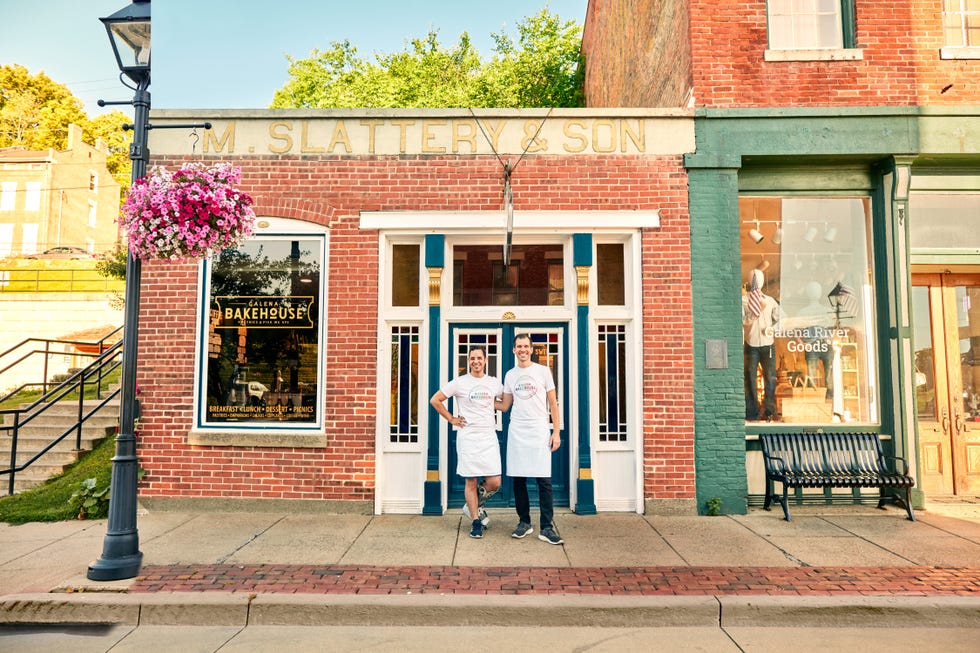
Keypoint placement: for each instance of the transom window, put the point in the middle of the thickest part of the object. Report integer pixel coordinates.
(534, 277)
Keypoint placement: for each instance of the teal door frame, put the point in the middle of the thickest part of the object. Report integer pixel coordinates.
(561, 459)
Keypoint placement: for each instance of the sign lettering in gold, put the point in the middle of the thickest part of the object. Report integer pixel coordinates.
(263, 312)
(439, 136)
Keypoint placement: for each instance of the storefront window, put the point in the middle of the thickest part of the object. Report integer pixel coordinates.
(263, 333)
(808, 327)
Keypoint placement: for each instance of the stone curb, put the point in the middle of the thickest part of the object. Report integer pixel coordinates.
(851, 611)
(232, 609)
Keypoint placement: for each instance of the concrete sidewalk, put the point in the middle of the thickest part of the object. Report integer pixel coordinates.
(831, 565)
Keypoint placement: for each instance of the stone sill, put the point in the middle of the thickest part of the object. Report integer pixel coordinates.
(960, 53)
(269, 438)
(825, 54)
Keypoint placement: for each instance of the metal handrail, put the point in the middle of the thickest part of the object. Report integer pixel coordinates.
(102, 344)
(105, 363)
(27, 280)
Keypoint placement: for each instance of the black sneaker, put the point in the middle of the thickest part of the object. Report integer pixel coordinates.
(523, 530)
(550, 535)
(476, 532)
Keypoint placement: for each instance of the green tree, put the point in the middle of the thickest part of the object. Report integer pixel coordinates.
(540, 69)
(108, 127)
(35, 112)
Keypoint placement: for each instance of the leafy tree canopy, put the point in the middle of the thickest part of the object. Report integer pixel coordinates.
(541, 68)
(35, 112)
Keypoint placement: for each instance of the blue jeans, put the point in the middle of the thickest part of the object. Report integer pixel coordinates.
(827, 358)
(545, 501)
(754, 356)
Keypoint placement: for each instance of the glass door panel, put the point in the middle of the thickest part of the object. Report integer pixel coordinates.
(946, 324)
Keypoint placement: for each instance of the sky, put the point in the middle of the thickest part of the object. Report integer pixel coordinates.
(231, 54)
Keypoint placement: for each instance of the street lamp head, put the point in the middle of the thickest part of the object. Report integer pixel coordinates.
(129, 33)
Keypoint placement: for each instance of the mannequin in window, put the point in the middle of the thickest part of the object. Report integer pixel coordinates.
(816, 321)
(760, 315)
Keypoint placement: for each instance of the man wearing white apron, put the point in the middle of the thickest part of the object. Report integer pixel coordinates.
(477, 449)
(530, 387)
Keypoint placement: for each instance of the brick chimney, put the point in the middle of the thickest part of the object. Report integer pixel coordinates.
(74, 136)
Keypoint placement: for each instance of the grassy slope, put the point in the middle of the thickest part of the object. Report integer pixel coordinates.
(49, 502)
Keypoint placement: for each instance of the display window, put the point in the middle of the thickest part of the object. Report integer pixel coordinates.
(807, 319)
(263, 336)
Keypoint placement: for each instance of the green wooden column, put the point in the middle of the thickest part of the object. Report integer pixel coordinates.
(719, 420)
(434, 263)
(896, 253)
(582, 260)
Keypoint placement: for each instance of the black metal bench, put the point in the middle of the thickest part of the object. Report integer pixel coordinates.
(800, 460)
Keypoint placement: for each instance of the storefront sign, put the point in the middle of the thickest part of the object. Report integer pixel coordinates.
(264, 312)
(347, 133)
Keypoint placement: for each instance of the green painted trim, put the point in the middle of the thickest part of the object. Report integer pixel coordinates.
(848, 23)
(433, 489)
(582, 250)
(585, 497)
(828, 181)
(585, 492)
(824, 112)
(432, 492)
(435, 251)
(719, 418)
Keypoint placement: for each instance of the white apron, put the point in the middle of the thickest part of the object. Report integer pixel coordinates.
(477, 453)
(528, 453)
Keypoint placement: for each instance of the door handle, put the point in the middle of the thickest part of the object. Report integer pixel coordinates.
(958, 423)
(945, 421)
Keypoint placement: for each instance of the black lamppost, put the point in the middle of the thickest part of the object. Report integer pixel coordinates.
(129, 33)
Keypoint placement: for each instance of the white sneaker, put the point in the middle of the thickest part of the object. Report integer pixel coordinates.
(484, 517)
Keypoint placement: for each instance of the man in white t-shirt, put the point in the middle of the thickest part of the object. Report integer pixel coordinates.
(530, 388)
(477, 449)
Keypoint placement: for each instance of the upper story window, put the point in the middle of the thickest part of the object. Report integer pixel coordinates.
(32, 200)
(811, 30)
(961, 29)
(93, 180)
(8, 191)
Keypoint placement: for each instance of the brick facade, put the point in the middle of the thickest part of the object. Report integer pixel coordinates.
(842, 119)
(637, 53)
(332, 191)
(900, 64)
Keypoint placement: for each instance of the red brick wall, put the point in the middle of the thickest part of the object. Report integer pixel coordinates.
(332, 191)
(901, 65)
(637, 53)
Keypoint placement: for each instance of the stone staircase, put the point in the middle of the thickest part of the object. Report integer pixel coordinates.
(40, 431)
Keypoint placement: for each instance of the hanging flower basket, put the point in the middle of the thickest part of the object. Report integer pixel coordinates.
(192, 213)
